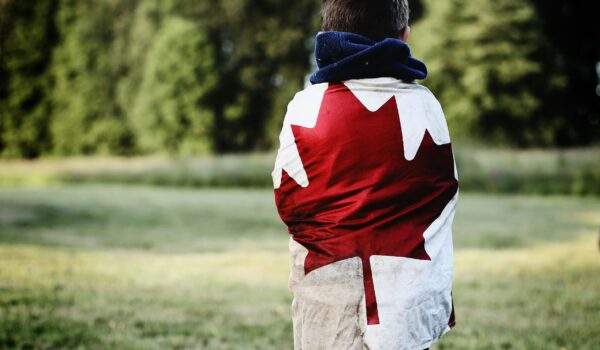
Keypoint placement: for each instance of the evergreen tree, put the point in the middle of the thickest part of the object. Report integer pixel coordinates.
(263, 55)
(572, 28)
(27, 36)
(134, 42)
(493, 69)
(86, 68)
(80, 89)
(107, 76)
(170, 110)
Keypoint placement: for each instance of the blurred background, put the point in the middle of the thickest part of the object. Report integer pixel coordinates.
(137, 139)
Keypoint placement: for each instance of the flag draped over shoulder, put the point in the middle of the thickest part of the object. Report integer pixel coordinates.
(366, 181)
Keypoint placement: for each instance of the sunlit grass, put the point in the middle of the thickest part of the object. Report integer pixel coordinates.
(573, 171)
(539, 298)
(109, 267)
(128, 299)
(248, 170)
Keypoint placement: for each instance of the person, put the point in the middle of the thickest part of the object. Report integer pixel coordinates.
(366, 182)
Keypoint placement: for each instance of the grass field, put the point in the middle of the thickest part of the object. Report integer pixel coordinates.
(558, 172)
(132, 267)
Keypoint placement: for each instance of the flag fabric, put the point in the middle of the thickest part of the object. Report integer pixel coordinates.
(366, 182)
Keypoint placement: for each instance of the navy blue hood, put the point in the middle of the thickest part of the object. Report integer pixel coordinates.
(343, 56)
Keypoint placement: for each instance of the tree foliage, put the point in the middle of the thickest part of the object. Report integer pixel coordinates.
(27, 37)
(122, 77)
(493, 69)
(86, 65)
(180, 76)
(264, 50)
(572, 29)
(171, 109)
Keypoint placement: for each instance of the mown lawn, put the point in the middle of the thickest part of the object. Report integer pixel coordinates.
(131, 267)
(540, 172)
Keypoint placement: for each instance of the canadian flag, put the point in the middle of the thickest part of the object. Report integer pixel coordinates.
(366, 181)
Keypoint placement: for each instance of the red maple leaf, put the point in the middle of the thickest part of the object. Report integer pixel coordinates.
(364, 198)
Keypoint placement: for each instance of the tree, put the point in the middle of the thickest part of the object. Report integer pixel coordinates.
(493, 69)
(73, 72)
(86, 68)
(263, 56)
(27, 37)
(171, 110)
(572, 28)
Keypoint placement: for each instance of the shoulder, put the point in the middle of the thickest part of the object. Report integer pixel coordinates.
(419, 90)
(304, 107)
(415, 93)
(310, 93)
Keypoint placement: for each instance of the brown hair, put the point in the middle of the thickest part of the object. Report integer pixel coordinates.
(376, 19)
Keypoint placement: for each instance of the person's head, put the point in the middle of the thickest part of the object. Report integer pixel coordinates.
(376, 19)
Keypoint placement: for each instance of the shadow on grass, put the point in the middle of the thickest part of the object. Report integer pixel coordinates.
(175, 221)
(33, 216)
(165, 220)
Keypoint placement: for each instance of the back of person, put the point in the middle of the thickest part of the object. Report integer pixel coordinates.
(366, 182)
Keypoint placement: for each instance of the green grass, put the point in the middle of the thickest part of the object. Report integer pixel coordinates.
(243, 170)
(573, 171)
(131, 267)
